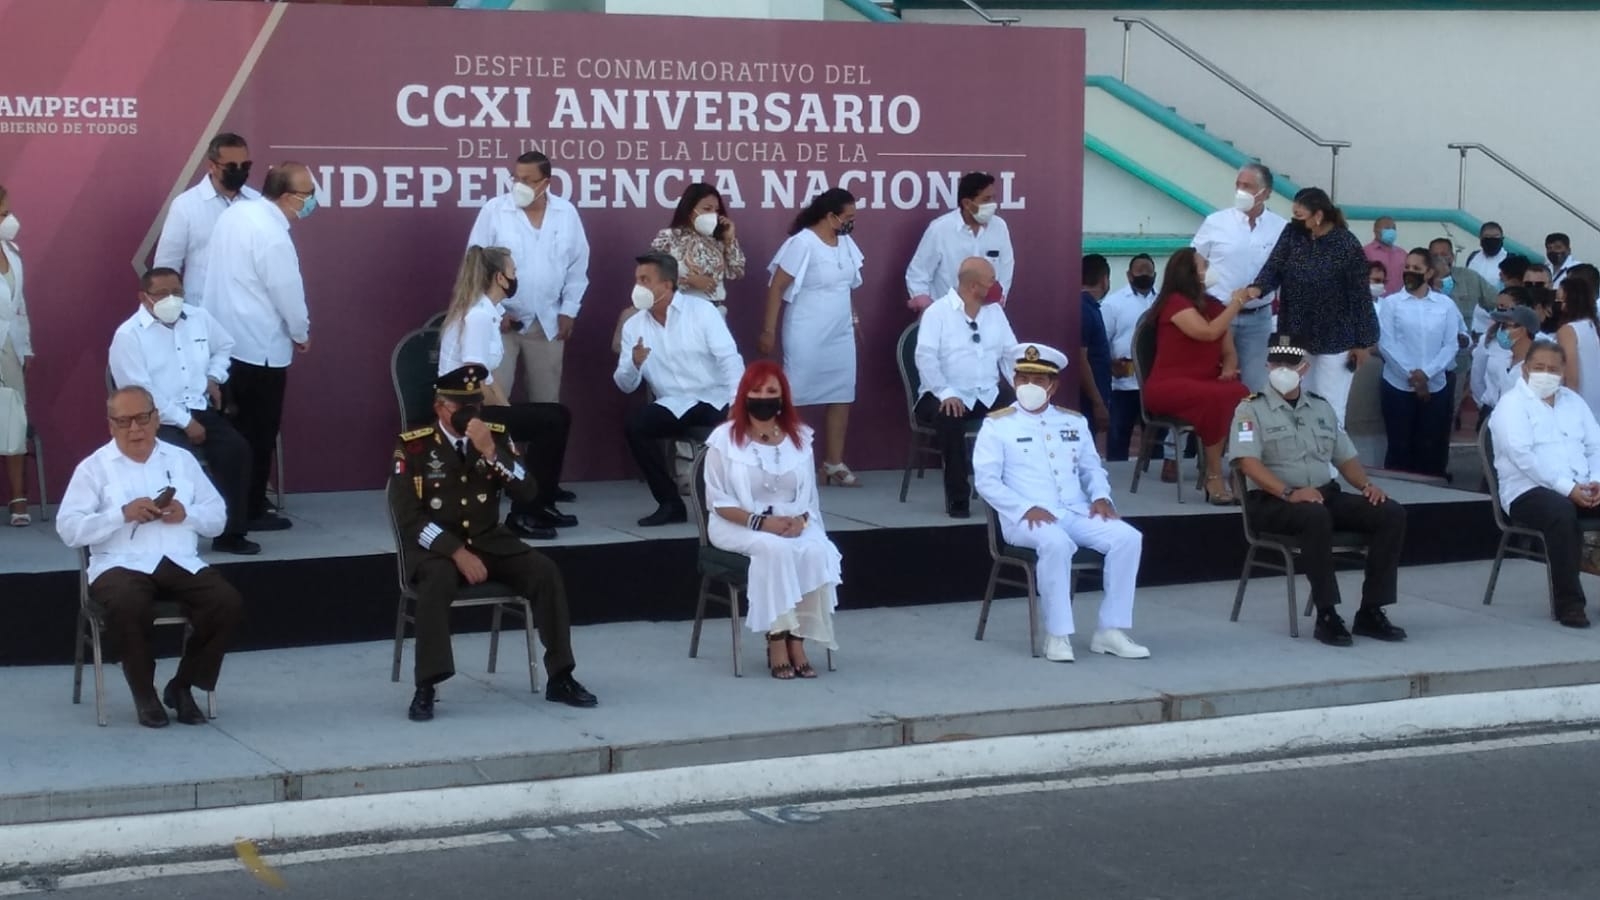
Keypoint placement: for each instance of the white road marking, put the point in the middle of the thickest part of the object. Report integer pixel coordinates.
(802, 813)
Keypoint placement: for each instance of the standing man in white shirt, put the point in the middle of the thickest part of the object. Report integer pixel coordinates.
(546, 240)
(1490, 254)
(140, 505)
(1547, 456)
(185, 240)
(1236, 243)
(679, 345)
(971, 229)
(960, 343)
(1036, 467)
(254, 289)
(180, 355)
(1558, 249)
(1121, 310)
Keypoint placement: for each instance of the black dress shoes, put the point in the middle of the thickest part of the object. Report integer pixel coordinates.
(566, 689)
(270, 522)
(236, 544)
(1331, 631)
(1573, 617)
(665, 514)
(550, 517)
(959, 510)
(180, 701)
(562, 495)
(526, 526)
(421, 705)
(151, 715)
(1372, 623)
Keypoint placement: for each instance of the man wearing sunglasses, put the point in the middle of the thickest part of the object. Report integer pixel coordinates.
(186, 235)
(141, 505)
(960, 342)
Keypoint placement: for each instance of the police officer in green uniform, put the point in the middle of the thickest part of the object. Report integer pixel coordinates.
(445, 493)
(1283, 440)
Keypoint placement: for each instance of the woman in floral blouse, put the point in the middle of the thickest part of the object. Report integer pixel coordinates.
(701, 239)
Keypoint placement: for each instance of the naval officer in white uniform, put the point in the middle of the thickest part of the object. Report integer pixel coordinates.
(1036, 466)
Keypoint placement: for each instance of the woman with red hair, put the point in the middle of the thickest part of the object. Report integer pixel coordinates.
(761, 488)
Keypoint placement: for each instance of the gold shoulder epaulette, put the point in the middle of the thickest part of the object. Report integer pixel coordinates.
(496, 427)
(1256, 396)
(418, 433)
(1005, 411)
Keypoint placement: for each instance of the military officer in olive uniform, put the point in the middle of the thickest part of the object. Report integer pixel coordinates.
(445, 493)
(1283, 440)
(1036, 466)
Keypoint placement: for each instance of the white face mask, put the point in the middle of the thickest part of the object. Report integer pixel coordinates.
(1377, 291)
(1032, 397)
(167, 309)
(1243, 200)
(985, 212)
(643, 299)
(1284, 380)
(522, 195)
(1212, 278)
(1544, 384)
(705, 223)
(9, 226)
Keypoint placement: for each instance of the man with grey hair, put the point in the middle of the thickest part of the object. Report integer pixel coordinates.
(145, 550)
(1236, 243)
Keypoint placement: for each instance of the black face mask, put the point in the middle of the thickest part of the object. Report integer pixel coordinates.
(1142, 283)
(511, 288)
(1556, 259)
(234, 177)
(1412, 280)
(462, 417)
(1492, 246)
(763, 409)
(846, 227)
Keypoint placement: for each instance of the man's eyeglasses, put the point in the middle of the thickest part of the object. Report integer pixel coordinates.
(976, 338)
(123, 423)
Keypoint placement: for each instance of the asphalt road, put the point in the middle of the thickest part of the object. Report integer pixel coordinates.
(1508, 824)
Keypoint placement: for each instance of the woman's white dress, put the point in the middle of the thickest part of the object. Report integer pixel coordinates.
(793, 581)
(819, 339)
(16, 344)
(1588, 363)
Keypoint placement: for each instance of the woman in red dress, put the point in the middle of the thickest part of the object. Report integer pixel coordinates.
(1195, 376)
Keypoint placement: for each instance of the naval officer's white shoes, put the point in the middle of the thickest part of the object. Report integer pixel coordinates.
(1058, 649)
(1116, 643)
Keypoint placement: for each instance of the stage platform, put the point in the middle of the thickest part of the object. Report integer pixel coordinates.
(331, 579)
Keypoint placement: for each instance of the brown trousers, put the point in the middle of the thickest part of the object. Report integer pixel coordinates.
(531, 575)
(126, 602)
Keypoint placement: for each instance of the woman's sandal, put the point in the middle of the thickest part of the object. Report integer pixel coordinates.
(20, 519)
(802, 670)
(1225, 498)
(839, 475)
(784, 672)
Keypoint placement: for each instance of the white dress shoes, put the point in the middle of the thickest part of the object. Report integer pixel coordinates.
(1116, 643)
(1058, 649)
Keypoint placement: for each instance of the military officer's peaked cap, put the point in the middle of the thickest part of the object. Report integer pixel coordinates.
(1037, 359)
(1286, 348)
(465, 383)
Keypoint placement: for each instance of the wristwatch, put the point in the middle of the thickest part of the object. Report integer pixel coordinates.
(1287, 490)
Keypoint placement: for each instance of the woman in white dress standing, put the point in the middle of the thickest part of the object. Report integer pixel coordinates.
(812, 277)
(762, 490)
(1580, 339)
(16, 348)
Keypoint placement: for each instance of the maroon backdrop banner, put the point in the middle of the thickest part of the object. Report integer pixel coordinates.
(410, 119)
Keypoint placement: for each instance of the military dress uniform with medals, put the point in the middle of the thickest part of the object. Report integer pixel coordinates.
(445, 495)
(1297, 440)
(1024, 459)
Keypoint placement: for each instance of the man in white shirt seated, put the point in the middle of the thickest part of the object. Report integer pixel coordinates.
(1236, 243)
(186, 235)
(254, 289)
(960, 343)
(140, 505)
(1547, 456)
(971, 229)
(180, 355)
(681, 347)
(1121, 310)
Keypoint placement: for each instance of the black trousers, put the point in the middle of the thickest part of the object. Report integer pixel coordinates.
(227, 459)
(652, 423)
(531, 575)
(1124, 415)
(1313, 525)
(126, 600)
(951, 435)
(1560, 521)
(257, 397)
(1418, 430)
(543, 428)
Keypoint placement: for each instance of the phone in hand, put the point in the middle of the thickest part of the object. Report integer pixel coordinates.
(164, 498)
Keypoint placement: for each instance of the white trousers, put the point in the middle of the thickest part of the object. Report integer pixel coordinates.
(1056, 543)
(1330, 378)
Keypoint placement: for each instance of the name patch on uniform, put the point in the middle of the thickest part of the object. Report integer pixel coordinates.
(1024, 440)
(1247, 433)
(1069, 434)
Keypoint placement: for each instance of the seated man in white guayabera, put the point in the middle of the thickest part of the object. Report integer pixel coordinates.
(1036, 466)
